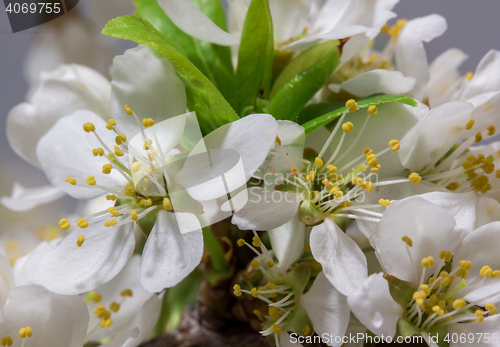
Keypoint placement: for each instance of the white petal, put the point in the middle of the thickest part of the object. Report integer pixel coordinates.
(374, 306)
(433, 136)
(56, 320)
(66, 150)
(24, 199)
(128, 278)
(486, 78)
(488, 330)
(479, 248)
(462, 206)
(287, 242)
(289, 18)
(379, 81)
(444, 76)
(431, 228)
(189, 19)
(145, 319)
(326, 307)
(343, 262)
(26, 268)
(266, 210)
(335, 34)
(235, 151)
(169, 256)
(6, 277)
(149, 85)
(410, 55)
(392, 122)
(488, 210)
(59, 93)
(69, 269)
(293, 139)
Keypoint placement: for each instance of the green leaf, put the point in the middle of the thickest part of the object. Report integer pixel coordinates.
(323, 120)
(203, 97)
(439, 335)
(303, 61)
(291, 98)
(405, 329)
(212, 60)
(255, 57)
(298, 278)
(401, 291)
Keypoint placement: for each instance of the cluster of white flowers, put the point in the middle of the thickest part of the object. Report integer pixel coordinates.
(375, 192)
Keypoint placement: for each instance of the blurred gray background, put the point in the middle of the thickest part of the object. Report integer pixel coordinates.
(472, 26)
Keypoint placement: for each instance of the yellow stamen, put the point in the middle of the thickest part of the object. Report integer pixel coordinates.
(373, 110)
(70, 180)
(90, 181)
(351, 105)
(347, 127)
(407, 240)
(88, 127)
(394, 144)
(415, 178)
(64, 224)
(126, 292)
(385, 203)
(128, 110)
(148, 122)
(121, 138)
(80, 240)
(278, 140)
(319, 162)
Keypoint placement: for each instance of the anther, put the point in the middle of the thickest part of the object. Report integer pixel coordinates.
(90, 181)
(479, 137)
(70, 180)
(469, 75)
(278, 140)
(106, 168)
(128, 110)
(64, 224)
(255, 264)
(351, 105)
(80, 240)
(486, 271)
(111, 124)
(415, 178)
(446, 255)
(88, 127)
(373, 110)
(270, 263)
(407, 240)
(114, 306)
(256, 241)
(240, 242)
(98, 152)
(319, 162)
(126, 292)
(167, 205)
(82, 223)
(136, 167)
(118, 152)
(148, 122)
(237, 290)
(394, 144)
(491, 130)
(347, 127)
(384, 203)
(428, 262)
(106, 323)
(276, 329)
(470, 124)
(121, 138)
(254, 293)
(110, 223)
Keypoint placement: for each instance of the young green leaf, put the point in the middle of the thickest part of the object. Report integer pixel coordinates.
(203, 97)
(291, 98)
(255, 57)
(212, 60)
(303, 61)
(315, 124)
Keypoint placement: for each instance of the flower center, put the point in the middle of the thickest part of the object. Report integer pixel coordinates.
(439, 298)
(103, 314)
